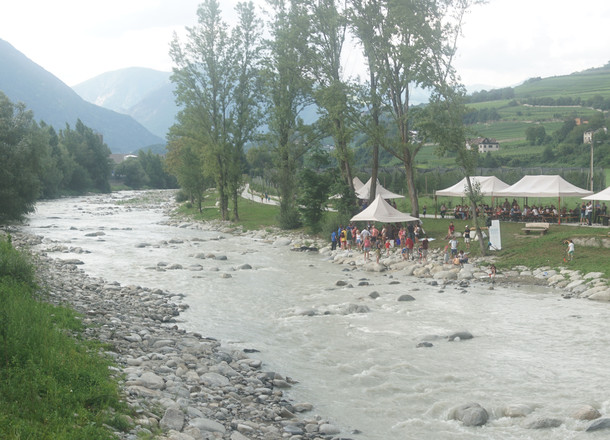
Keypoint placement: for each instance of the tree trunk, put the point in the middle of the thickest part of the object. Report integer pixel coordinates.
(473, 209)
(411, 187)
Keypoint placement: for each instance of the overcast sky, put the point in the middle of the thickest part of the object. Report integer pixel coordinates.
(505, 41)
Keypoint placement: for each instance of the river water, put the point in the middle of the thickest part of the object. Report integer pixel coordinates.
(360, 370)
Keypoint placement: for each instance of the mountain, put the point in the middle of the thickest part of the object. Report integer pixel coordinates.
(145, 94)
(55, 103)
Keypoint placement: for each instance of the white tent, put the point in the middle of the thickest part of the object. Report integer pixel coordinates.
(381, 211)
(602, 195)
(490, 185)
(544, 186)
(357, 183)
(365, 191)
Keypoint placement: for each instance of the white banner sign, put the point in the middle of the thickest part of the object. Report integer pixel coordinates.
(495, 239)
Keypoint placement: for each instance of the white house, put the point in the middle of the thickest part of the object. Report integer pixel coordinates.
(483, 144)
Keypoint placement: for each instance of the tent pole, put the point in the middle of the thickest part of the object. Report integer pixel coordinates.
(559, 211)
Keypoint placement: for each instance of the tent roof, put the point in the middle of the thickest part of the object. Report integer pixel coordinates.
(602, 195)
(357, 183)
(381, 211)
(543, 186)
(365, 190)
(490, 185)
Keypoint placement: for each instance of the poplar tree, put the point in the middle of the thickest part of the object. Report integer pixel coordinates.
(407, 39)
(215, 78)
(288, 91)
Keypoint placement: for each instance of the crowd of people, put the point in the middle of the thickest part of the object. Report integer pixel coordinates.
(586, 213)
(410, 239)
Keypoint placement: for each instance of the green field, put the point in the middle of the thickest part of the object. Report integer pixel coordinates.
(584, 85)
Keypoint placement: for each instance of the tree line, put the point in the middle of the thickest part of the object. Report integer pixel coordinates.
(37, 162)
(247, 86)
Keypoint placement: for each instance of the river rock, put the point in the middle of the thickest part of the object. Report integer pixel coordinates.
(599, 424)
(603, 295)
(151, 380)
(517, 410)
(282, 241)
(328, 429)
(471, 414)
(207, 425)
(424, 345)
(356, 308)
(445, 275)
(460, 336)
(586, 412)
(406, 297)
(374, 295)
(542, 423)
(173, 419)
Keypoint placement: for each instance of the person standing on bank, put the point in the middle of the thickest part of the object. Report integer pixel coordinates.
(570, 250)
(467, 237)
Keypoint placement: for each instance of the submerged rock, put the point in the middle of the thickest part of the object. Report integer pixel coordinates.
(471, 414)
(460, 336)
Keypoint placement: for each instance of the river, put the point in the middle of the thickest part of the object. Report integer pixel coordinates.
(361, 370)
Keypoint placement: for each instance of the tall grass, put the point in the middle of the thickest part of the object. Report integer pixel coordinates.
(53, 385)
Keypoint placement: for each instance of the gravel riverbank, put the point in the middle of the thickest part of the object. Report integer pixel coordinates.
(180, 385)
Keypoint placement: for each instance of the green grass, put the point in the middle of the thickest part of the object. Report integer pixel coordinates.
(252, 215)
(53, 384)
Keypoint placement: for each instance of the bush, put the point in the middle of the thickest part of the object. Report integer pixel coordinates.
(14, 264)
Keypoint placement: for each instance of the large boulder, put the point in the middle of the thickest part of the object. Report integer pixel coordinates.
(471, 414)
(173, 419)
(603, 295)
(586, 412)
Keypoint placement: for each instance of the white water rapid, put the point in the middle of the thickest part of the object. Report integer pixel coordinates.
(361, 370)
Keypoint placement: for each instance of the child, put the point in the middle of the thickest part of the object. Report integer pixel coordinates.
(387, 248)
(378, 250)
(570, 249)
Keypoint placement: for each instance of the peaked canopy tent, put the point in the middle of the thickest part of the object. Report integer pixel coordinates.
(490, 185)
(602, 195)
(357, 183)
(365, 191)
(544, 186)
(381, 211)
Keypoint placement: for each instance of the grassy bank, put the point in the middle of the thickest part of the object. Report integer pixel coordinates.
(517, 248)
(53, 384)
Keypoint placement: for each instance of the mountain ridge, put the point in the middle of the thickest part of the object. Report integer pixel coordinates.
(55, 103)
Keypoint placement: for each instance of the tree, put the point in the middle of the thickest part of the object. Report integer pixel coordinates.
(91, 158)
(363, 17)
(22, 146)
(329, 28)
(215, 77)
(314, 188)
(414, 43)
(287, 90)
(185, 161)
(132, 171)
(445, 125)
(535, 134)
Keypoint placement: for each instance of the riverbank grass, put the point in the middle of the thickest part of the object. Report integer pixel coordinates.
(53, 384)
